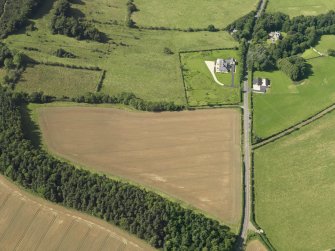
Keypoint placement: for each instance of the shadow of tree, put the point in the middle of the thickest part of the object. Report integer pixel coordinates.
(44, 9)
(31, 130)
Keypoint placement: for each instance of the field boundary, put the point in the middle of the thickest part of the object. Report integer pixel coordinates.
(215, 49)
(69, 66)
(101, 81)
(228, 105)
(183, 79)
(295, 127)
(190, 29)
(262, 234)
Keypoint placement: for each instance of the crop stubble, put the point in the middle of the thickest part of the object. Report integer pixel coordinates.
(30, 223)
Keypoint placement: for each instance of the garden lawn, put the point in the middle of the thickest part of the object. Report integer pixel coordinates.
(287, 103)
(295, 189)
(301, 7)
(186, 14)
(201, 88)
(134, 60)
(58, 81)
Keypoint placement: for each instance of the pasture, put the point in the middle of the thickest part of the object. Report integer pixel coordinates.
(194, 157)
(201, 89)
(326, 42)
(301, 7)
(255, 245)
(289, 103)
(58, 81)
(134, 60)
(31, 223)
(104, 10)
(183, 14)
(294, 188)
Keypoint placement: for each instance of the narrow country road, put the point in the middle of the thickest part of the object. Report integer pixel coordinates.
(247, 163)
(247, 153)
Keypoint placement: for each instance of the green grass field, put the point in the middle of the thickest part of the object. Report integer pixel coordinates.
(326, 42)
(287, 103)
(310, 54)
(104, 10)
(295, 189)
(301, 7)
(201, 88)
(58, 81)
(134, 59)
(195, 14)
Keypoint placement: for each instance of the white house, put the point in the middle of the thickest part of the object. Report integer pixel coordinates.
(225, 65)
(260, 85)
(274, 36)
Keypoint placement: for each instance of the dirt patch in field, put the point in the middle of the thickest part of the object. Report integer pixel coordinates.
(192, 156)
(256, 245)
(31, 223)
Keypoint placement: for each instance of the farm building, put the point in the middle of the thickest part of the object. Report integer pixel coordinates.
(274, 36)
(261, 85)
(225, 65)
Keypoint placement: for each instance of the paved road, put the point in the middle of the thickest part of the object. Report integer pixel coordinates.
(289, 130)
(247, 154)
(247, 163)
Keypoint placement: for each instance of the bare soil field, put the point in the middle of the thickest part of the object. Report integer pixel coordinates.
(193, 156)
(30, 223)
(256, 245)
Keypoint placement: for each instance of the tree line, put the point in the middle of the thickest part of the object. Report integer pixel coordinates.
(162, 223)
(125, 98)
(65, 23)
(128, 98)
(16, 14)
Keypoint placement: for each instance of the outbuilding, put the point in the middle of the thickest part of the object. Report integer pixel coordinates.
(261, 85)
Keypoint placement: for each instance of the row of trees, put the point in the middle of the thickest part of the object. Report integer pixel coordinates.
(63, 22)
(16, 14)
(242, 28)
(162, 223)
(128, 98)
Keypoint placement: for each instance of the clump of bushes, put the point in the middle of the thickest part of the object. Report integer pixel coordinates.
(131, 8)
(294, 67)
(64, 23)
(14, 63)
(61, 53)
(212, 28)
(331, 52)
(168, 51)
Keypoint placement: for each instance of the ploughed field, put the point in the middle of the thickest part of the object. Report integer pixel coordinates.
(192, 156)
(29, 223)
